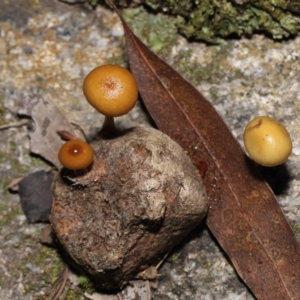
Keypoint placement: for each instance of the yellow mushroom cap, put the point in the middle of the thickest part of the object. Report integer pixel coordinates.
(267, 141)
(111, 89)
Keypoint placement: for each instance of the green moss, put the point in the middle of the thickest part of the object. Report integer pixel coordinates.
(9, 158)
(209, 279)
(209, 72)
(35, 3)
(16, 168)
(2, 280)
(47, 260)
(214, 20)
(13, 146)
(117, 60)
(52, 265)
(75, 295)
(193, 71)
(93, 2)
(3, 157)
(8, 214)
(4, 184)
(3, 207)
(158, 31)
(175, 257)
(86, 285)
(2, 111)
(50, 262)
(296, 229)
(214, 92)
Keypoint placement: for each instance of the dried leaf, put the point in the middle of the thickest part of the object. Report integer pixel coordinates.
(48, 120)
(243, 215)
(36, 196)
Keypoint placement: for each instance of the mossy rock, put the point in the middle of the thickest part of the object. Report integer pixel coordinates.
(214, 20)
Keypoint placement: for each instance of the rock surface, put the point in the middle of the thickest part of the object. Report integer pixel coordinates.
(140, 197)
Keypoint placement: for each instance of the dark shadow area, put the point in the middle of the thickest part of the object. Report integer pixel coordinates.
(149, 118)
(278, 177)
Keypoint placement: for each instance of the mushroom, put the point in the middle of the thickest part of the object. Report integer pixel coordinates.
(267, 141)
(76, 155)
(112, 90)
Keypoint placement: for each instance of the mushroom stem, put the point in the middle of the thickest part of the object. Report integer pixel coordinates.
(108, 127)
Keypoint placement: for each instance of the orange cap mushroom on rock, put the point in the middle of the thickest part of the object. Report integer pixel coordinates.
(75, 155)
(111, 89)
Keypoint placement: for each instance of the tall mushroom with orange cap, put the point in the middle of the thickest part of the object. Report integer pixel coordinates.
(112, 90)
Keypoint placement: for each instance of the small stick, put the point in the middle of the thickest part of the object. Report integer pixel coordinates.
(61, 281)
(163, 260)
(15, 124)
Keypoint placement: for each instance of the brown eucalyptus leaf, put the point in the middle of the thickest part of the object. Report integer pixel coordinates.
(243, 214)
(48, 119)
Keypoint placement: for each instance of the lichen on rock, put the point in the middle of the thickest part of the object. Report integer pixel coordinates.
(213, 21)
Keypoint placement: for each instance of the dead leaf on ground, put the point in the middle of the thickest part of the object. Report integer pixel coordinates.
(48, 119)
(243, 215)
(36, 196)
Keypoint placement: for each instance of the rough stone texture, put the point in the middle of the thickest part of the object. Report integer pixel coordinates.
(141, 196)
(213, 20)
(50, 47)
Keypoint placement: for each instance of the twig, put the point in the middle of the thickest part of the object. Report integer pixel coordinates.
(15, 124)
(66, 291)
(61, 282)
(163, 260)
(80, 129)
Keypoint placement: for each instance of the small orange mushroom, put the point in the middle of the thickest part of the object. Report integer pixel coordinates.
(111, 89)
(76, 155)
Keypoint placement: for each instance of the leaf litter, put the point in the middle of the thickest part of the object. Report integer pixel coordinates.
(35, 188)
(48, 119)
